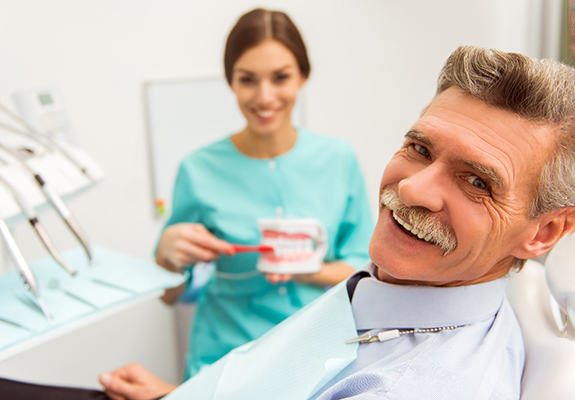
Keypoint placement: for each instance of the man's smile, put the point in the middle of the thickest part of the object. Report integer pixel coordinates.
(418, 222)
(413, 231)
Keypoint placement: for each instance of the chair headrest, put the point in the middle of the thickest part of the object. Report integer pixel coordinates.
(560, 275)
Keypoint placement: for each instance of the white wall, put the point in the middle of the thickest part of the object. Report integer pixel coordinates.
(374, 66)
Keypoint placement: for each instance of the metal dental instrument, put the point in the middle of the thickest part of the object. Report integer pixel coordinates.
(56, 201)
(30, 214)
(24, 270)
(7, 321)
(389, 334)
(43, 139)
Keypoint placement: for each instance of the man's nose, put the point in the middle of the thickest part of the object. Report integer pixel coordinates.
(425, 188)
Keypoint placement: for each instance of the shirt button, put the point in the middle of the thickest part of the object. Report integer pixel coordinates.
(279, 210)
(282, 290)
(272, 164)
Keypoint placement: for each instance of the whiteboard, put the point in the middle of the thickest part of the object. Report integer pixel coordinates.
(182, 116)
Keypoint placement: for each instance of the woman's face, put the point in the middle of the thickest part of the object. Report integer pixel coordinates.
(266, 79)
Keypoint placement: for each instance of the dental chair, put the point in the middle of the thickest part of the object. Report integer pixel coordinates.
(543, 298)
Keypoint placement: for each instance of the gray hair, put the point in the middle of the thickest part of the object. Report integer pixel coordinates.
(538, 90)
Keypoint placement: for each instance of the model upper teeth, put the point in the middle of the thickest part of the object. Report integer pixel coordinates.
(286, 247)
(265, 113)
(410, 228)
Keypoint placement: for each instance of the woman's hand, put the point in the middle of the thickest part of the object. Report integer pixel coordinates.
(277, 278)
(184, 244)
(330, 274)
(134, 382)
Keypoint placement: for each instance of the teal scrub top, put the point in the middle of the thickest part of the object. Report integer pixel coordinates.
(227, 192)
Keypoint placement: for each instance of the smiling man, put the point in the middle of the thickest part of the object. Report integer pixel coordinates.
(485, 180)
(456, 198)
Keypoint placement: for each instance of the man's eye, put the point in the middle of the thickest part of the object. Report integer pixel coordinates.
(478, 182)
(421, 150)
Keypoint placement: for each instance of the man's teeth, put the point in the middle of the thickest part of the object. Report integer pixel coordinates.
(265, 114)
(410, 228)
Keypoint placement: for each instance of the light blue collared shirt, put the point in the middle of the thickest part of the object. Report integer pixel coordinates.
(483, 359)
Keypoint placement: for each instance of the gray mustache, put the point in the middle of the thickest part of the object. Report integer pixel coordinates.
(422, 219)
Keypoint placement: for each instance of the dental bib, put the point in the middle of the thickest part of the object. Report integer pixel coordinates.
(265, 367)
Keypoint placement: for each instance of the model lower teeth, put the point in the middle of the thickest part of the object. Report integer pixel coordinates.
(421, 235)
(290, 249)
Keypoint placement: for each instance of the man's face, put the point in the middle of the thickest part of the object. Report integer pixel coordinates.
(469, 170)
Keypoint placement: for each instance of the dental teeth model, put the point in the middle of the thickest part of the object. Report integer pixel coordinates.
(291, 248)
(299, 245)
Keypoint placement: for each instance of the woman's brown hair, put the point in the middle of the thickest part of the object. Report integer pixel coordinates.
(258, 25)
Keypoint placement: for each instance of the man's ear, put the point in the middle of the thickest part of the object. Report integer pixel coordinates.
(552, 227)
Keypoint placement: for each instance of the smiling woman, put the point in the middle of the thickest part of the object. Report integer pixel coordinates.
(266, 64)
(268, 169)
(266, 93)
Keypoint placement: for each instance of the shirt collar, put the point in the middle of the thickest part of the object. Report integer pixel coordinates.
(380, 305)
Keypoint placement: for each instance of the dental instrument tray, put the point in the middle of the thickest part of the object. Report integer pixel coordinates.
(111, 282)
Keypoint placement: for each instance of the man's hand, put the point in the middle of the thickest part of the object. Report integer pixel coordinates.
(134, 382)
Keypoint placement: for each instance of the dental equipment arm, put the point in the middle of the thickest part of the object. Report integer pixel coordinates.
(66, 215)
(57, 202)
(30, 214)
(24, 270)
(43, 139)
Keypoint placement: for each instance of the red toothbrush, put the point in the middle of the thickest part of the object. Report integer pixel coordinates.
(239, 248)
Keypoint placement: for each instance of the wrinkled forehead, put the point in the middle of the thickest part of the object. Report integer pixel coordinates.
(457, 124)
